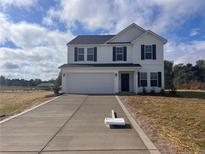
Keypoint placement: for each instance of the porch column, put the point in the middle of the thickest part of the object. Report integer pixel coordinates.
(136, 81)
(116, 81)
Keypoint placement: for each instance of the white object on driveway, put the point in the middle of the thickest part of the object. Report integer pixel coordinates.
(115, 121)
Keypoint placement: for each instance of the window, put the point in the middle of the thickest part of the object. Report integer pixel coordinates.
(119, 53)
(80, 54)
(154, 79)
(148, 54)
(90, 54)
(143, 79)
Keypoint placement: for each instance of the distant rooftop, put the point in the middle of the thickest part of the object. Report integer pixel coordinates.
(90, 39)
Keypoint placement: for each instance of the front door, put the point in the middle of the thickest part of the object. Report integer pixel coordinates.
(125, 82)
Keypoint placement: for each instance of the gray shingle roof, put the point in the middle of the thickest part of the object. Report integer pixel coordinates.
(90, 39)
(101, 65)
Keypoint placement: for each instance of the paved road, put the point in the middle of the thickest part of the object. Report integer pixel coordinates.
(71, 124)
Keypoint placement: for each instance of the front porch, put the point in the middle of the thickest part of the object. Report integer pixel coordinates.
(126, 81)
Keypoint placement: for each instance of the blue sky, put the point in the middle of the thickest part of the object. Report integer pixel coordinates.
(34, 33)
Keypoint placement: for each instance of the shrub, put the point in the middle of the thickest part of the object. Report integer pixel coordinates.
(173, 92)
(144, 92)
(56, 90)
(162, 92)
(152, 92)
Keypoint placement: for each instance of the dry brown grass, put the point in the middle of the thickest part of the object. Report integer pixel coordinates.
(12, 102)
(180, 121)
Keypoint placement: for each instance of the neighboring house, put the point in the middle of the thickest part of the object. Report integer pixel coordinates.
(129, 61)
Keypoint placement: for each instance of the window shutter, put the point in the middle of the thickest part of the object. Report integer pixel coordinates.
(139, 79)
(95, 53)
(154, 51)
(159, 79)
(142, 52)
(76, 54)
(125, 53)
(114, 54)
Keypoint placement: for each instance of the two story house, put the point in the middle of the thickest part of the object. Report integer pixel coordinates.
(130, 61)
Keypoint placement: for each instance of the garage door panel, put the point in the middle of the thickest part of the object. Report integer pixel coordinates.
(90, 83)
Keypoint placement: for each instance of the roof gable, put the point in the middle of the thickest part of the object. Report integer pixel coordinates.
(153, 34)
(128, 34)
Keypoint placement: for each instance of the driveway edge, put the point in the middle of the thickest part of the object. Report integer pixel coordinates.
(21, 113)
(148, 143)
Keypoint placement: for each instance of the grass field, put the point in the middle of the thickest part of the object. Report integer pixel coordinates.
(13, 102)
(178, 120)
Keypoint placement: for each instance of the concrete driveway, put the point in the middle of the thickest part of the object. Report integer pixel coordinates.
(71, 124)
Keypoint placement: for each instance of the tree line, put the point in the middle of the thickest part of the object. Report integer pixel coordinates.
(22, 82)
(185, 76)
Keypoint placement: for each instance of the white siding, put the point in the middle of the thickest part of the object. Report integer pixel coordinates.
(151, 68)
(149, 65)
(148, 39)
(104, 54)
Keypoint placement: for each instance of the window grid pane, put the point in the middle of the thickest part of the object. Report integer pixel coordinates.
(90, 58)
(154, 76)
(143, 76)
(148, 52)
(119, 53)
(80, 54)
(154, 79)
(90, 54)
(143, 79)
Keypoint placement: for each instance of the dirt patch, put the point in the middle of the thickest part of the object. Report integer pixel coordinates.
(13, 102)
(175, 125)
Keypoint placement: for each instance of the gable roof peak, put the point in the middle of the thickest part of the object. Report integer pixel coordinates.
(153, 34)
(126, 29)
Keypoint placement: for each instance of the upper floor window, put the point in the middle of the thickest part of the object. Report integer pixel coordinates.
(148, 52)
(90, 54)
(80, 54)
(119, 53)
(154, 79)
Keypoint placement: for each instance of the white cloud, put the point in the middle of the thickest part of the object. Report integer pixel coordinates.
(17, 3)
(176, 12)
(105, 14)
(194, 32)
(115, 15)
(185, 52)
(40, 51)
(3, 28)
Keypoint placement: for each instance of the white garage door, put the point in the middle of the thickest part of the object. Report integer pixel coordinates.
(90, 83)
